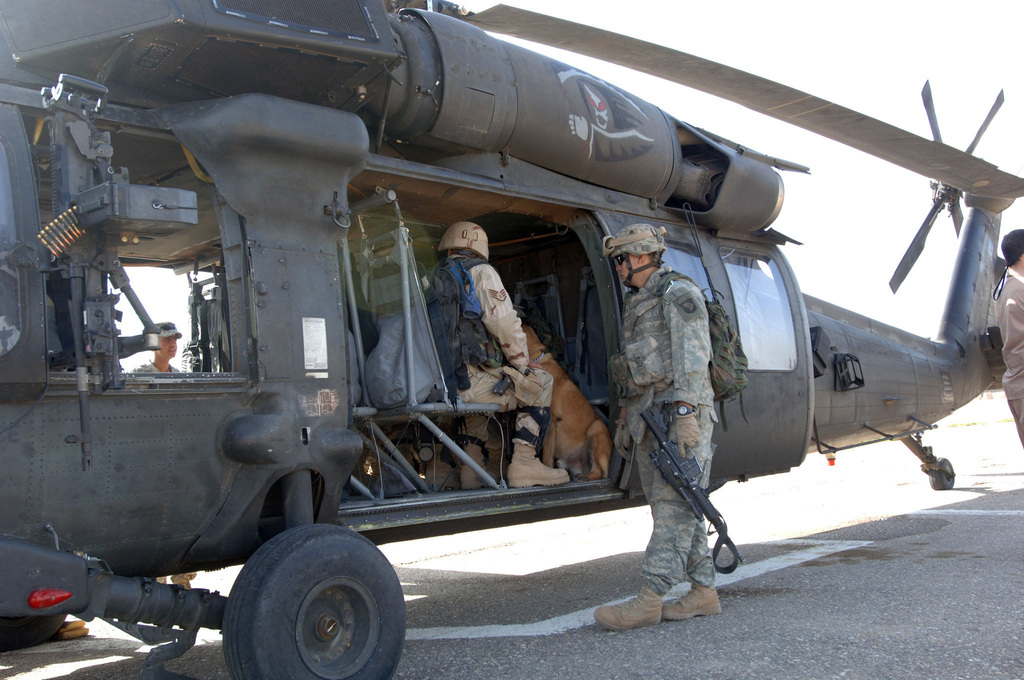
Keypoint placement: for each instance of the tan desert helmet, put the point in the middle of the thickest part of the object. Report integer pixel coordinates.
(465, 236)
(638, 239)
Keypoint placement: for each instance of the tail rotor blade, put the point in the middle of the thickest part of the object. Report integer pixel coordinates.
(946, 195)
(984, 126)
(916, 247)
(929, 107)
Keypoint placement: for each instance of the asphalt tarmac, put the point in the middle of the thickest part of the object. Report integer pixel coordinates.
(858, 571)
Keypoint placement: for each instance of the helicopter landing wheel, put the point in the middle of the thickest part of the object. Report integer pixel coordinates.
(21, 632)
(942, 479)
(316, 601)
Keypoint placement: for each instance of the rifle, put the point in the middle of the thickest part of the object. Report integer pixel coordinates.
(683, 475)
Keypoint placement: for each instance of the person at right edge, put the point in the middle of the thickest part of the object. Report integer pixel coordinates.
(665, 350)
(1010, 318)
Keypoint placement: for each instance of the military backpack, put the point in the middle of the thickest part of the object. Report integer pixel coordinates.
(728, 365)
(460, 329)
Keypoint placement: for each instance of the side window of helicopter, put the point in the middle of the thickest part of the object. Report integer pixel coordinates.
(164, 296)
(685, 262)
(10, 293)
(762, 310)
(193, 303)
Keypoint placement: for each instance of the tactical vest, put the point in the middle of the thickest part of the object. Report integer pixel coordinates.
(727, 366)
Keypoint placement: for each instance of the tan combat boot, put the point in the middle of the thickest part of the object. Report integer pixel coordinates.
(525, 470)
(643, 610)
(184, 580)
(700, 601)
(468, 477)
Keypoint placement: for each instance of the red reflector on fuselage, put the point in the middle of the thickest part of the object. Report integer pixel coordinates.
(41, 598)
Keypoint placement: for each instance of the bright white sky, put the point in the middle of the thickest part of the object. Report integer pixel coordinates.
(855, 214)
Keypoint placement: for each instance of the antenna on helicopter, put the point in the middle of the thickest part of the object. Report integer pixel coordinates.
(944, 194)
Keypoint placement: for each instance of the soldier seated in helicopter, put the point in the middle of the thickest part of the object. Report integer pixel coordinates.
(513, 380)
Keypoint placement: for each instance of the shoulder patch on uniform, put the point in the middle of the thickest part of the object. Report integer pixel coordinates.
(498, 295)
(687, 298)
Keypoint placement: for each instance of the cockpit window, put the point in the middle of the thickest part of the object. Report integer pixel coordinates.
(10, 293)
(762, 310)
(166, 297)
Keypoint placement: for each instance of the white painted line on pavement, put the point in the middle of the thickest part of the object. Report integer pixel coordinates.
(59, 670)
(585, 617)
(979, 513)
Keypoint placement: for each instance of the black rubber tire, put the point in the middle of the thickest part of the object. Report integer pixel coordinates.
(27, 631)
(316, 602)
(942, 480)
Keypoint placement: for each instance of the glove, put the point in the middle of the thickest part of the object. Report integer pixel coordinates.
(622, 439)
(687, 430)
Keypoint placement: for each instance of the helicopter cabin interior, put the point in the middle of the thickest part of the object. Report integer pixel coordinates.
(564, 290)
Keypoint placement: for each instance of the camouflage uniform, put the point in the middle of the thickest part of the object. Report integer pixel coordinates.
(148, 367)
(530, 389)
(666, 348)
(532, 392)
(166, 329)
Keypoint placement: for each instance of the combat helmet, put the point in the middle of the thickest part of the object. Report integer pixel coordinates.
(465, 236)
(638, 239)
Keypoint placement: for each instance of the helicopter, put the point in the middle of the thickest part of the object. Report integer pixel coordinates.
(298, 162)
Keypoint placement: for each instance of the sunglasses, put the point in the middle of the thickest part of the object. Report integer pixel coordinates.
(621, 259)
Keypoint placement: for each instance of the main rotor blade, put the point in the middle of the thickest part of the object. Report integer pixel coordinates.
(929, 107)
(916, 247)
(988, 119)
(931, 159)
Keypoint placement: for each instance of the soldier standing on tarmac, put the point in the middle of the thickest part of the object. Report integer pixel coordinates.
(1010, 318)
(665, 350)
(530, 388)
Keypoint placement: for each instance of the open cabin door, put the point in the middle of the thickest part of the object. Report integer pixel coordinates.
(22, 346)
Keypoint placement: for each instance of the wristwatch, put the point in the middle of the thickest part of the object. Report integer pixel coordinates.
(684, 410)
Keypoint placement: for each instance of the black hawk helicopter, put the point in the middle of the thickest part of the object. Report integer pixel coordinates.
(298, 161)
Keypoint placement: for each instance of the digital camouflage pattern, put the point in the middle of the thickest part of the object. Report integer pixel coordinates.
(148, 367)
(666, 347)
(639, 239)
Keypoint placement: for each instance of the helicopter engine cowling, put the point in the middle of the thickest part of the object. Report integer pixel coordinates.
(441, 87)
(462, 91)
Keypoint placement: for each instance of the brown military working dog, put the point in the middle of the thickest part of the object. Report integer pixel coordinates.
(577, 440)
